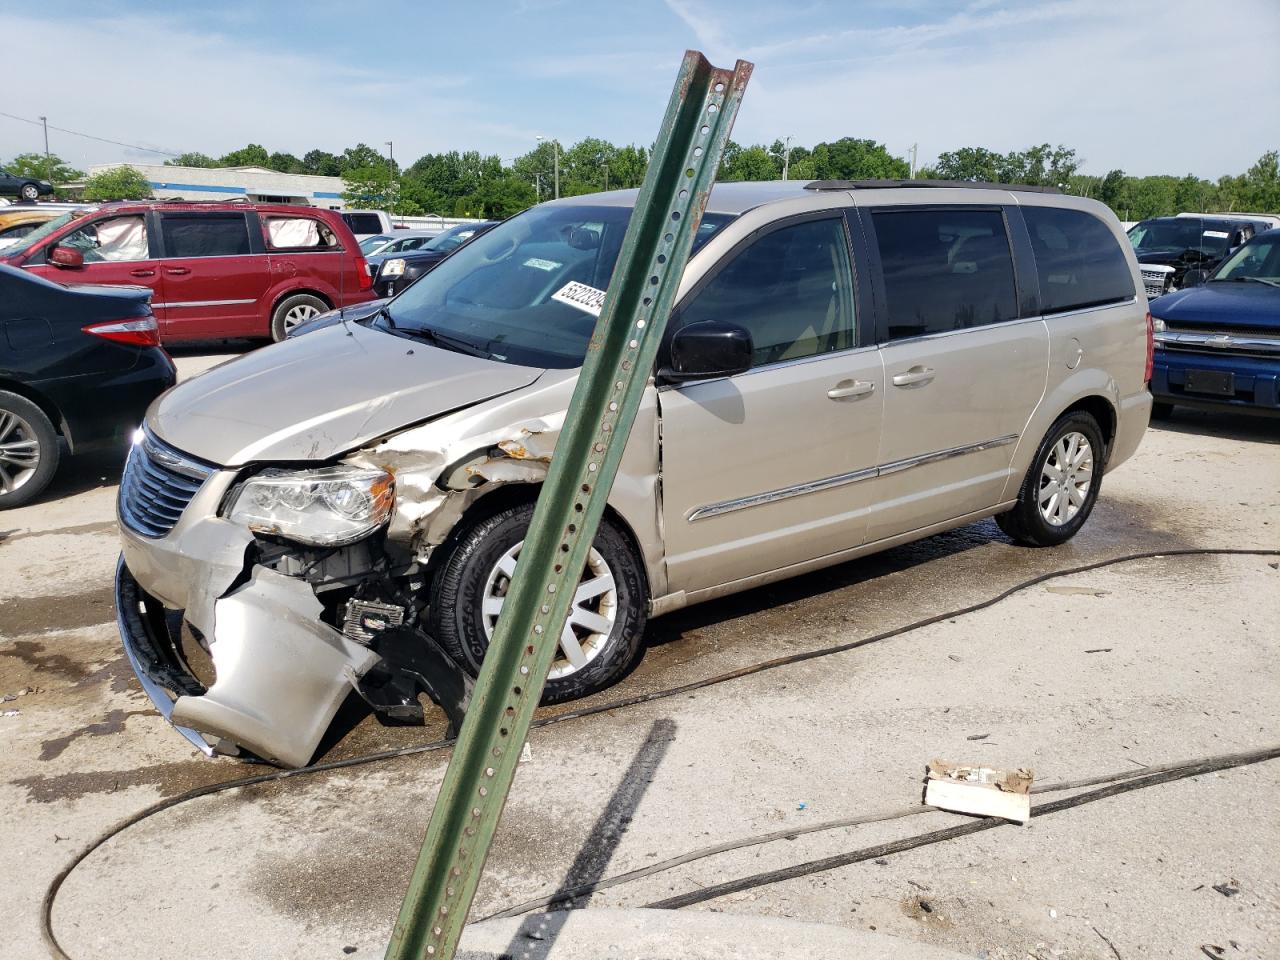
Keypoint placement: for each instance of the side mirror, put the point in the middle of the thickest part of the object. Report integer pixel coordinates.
(710, 348)
(68, 257)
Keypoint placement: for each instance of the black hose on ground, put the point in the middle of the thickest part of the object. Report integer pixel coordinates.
(51, 893)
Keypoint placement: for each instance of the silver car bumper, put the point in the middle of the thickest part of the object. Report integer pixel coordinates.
(281, 673)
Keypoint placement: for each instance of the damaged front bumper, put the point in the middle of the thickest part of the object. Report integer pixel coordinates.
(281, 673)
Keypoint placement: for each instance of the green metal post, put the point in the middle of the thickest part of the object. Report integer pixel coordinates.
(618, 363)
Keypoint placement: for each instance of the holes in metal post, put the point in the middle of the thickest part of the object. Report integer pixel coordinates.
(719, 88)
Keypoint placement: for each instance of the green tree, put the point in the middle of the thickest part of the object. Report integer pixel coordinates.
(118, 183)
(369, 187)
(321, 163)
(254, 155)
(1257, 190)
(360, 157)
(852, 159)
(500, 197)
(193, 159)
(969, 163)
(52, 168)
(285, 163)
(751, 163)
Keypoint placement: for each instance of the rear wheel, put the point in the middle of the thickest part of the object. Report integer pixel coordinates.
(28, 450)
(606, 623)
(30, 192)
(294, 310)
(1062, 485)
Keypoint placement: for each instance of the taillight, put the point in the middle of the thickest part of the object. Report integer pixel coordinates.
(1151, 348)
(141, 332)
(364, 274)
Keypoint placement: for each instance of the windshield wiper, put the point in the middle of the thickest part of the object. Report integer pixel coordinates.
(456, 344)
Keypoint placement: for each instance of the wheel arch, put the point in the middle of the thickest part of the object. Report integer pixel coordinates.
(1103, 411)
(495, 498)
(284, 295)
(46, 405)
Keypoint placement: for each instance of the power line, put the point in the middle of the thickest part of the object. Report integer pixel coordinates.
(90, 136)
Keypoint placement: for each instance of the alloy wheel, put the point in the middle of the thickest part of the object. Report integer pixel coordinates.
(591, 618)
(296, 315)
(19, 452)
(1066, 478)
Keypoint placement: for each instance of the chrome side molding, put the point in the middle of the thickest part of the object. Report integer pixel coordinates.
(843, 479)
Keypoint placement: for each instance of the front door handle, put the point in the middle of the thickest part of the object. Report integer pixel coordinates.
(851, 389)
(177, 271)
(142, 273)
(917, 376)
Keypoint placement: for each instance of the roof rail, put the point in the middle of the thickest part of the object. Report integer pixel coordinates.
(901, 184)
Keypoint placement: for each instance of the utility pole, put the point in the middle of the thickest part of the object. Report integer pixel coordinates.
(391, 164)
(48, 160)
(556, 145)
(786, 160)
(914, 147)
(606, 176)
(537, 184)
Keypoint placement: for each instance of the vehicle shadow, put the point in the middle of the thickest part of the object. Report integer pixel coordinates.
(85, 472)
(1225, 424)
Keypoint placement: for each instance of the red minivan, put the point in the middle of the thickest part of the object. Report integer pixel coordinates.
(215, 269)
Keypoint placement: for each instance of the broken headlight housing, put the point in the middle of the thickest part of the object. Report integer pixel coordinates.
(327, 507)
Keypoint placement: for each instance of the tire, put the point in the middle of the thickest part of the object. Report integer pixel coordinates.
(1041, 518)
(474, 572)
(292, 311)
(1161, 411)
(29, 192)
(29, 451)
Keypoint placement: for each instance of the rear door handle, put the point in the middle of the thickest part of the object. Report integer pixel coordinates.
(916, 376)
(176, 271)
(851, 389)
(142, 273)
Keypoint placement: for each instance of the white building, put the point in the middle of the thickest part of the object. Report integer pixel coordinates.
(230, 183)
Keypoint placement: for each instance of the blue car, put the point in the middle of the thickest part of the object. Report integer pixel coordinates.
(1217, 346)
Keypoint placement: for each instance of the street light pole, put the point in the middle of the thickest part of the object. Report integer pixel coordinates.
(391, 163)
(48, 160)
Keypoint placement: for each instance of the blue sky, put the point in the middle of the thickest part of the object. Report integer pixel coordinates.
(1151, 86)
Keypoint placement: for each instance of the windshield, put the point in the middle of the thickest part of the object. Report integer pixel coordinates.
(454, 237)
(370, 244)
(496, 294)
(42, 231)
(1258, 259)
(1177, 236)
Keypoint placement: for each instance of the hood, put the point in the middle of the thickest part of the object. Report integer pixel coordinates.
(322, 395)
(1221, 304)
(358, 311)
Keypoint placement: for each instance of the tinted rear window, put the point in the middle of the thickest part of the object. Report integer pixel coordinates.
(945, 270)
(1079, 262)
(363, 222)
(205, 234)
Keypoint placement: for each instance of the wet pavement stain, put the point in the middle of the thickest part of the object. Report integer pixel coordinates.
(170, 779)
(34, 655)
(112, 723)
(22, 616)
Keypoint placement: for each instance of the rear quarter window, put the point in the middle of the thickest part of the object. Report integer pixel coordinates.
(363, 222)
(1078, 260)
(298, 233)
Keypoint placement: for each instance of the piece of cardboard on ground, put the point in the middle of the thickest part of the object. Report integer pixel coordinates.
(984, 791)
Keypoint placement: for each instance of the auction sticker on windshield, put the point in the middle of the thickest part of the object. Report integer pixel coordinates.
(1219, 234)
(585, 298)
(539, 264)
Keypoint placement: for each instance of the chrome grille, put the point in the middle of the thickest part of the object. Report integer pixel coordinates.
(158, 484)
(1156, 280)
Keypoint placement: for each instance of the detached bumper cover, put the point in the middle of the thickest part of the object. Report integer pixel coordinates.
(281, 672)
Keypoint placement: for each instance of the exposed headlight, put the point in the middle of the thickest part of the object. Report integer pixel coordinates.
(325, 508)
(392, 268)
(1157, 325)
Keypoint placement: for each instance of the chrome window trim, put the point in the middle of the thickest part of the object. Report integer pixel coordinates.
(843, 479)
(1077, 311)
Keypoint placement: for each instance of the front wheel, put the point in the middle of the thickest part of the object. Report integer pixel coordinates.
(294, 310)
(30, 192)
(606, 624)
(28, 450)
(1062, 485)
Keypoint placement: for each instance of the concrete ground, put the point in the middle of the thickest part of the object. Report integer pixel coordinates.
(1137, 664)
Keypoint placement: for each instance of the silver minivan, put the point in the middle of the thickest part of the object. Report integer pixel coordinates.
(306, 520)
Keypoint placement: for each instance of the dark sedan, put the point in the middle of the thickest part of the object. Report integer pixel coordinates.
(80, 364)
(24, 187)
(1218, 345)
(399, 271)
